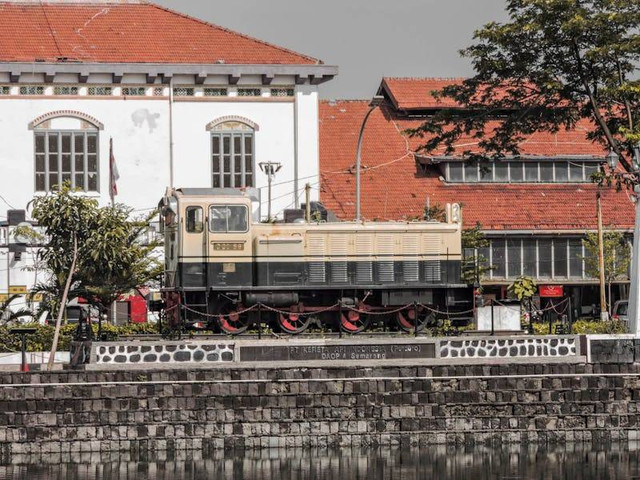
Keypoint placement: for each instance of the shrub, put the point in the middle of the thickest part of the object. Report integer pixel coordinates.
(584, 326)
(42, 339)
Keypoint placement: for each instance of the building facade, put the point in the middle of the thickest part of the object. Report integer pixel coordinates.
(534, 210)
(185, 103)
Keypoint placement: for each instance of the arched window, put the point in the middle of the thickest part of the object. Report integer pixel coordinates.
(232, 152)
(66, 150)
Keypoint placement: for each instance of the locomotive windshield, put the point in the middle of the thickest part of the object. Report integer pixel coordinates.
(228, 219)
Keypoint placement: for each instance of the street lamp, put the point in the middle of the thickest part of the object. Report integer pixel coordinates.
(634, 288)
(270, 169)
(376, 101)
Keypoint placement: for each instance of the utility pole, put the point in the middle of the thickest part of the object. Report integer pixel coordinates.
(634, 287)
(270, 169)
(307, 204)
(604, 313)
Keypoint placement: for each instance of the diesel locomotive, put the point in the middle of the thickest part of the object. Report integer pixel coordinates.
(224, 269)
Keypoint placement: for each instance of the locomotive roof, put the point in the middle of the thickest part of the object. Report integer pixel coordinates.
(207, 192)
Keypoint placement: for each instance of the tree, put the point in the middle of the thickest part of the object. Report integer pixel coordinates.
(553, 64)
(118, 260)
(617, 257)
(523, 288)
(474, 264)
(8, 315)
(91, 251)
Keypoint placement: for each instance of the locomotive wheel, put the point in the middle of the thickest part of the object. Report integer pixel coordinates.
(354, 322)
(293, 322)
(231, 322)
(407, 321)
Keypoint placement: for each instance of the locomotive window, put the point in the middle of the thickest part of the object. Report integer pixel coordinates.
(195, 222)
(228, 218)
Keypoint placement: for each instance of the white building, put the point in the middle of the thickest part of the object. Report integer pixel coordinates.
(187, 104)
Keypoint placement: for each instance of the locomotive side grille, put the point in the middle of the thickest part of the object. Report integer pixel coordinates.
(364, 268)
(338, 247)
(432, 271)
(385, 265)
(430, 247)
(317, 269)
(411, 268)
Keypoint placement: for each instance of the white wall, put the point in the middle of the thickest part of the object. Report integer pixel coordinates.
(140, 132)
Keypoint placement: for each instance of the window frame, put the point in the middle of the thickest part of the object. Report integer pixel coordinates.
(106, 88)
(46, 132)
(231, 134)
(562, 243)
(186, 219)
(227, 205)
(140, 88)
(247, 91)
(586, 167)
(221, 92)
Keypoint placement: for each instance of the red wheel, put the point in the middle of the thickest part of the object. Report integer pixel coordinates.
(412, 318)
(293, 322)
(232, 321)
(354, 322)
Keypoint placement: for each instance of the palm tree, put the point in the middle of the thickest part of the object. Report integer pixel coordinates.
(7, 315)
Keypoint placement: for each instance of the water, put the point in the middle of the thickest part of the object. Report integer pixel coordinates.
(437, 462)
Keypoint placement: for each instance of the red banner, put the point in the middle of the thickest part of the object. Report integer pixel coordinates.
(551, 291)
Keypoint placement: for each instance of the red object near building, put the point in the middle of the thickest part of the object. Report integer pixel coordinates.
(137, 309)
(551, 291)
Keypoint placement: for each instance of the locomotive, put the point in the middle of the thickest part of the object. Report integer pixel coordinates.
(225, 270)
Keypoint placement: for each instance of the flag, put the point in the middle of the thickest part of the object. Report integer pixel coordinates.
(113, 172)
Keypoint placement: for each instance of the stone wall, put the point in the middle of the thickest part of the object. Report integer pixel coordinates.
(228, 407)
(145, 354)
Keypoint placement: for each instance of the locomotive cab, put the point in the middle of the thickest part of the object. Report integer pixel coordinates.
(207, 238)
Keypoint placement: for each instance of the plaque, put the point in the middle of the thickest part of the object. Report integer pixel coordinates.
(297, 353)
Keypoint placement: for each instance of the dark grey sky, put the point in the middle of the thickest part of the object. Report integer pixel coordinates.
(366, 39)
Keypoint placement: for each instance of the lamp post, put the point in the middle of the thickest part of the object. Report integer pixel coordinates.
(23, 332)
(634, 288)
(270, 169)
(376, 101)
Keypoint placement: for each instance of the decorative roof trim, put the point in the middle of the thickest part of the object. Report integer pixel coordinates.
(232, 118)
(321, 73)
(65, 113)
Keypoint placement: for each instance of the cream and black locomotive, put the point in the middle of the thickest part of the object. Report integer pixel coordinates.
(224, 270)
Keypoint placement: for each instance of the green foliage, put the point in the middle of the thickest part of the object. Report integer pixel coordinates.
(7, 314)
(474, 264)
(583, 327)
(523, 287)
(43, 338)
(447, 329)
(435, 212)
(552, 64)
(617, 255)
(111, 258)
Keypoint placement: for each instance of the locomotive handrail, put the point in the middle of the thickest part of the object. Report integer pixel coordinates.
(315, 312)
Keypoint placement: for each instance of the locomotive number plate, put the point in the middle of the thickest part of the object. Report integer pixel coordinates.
(228, 246)
(229, 267)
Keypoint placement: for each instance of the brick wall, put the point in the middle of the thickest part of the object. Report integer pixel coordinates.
(240, 407)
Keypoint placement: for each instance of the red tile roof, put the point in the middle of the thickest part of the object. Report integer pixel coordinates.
(416, 93)
(125, 32)
(392, 188)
